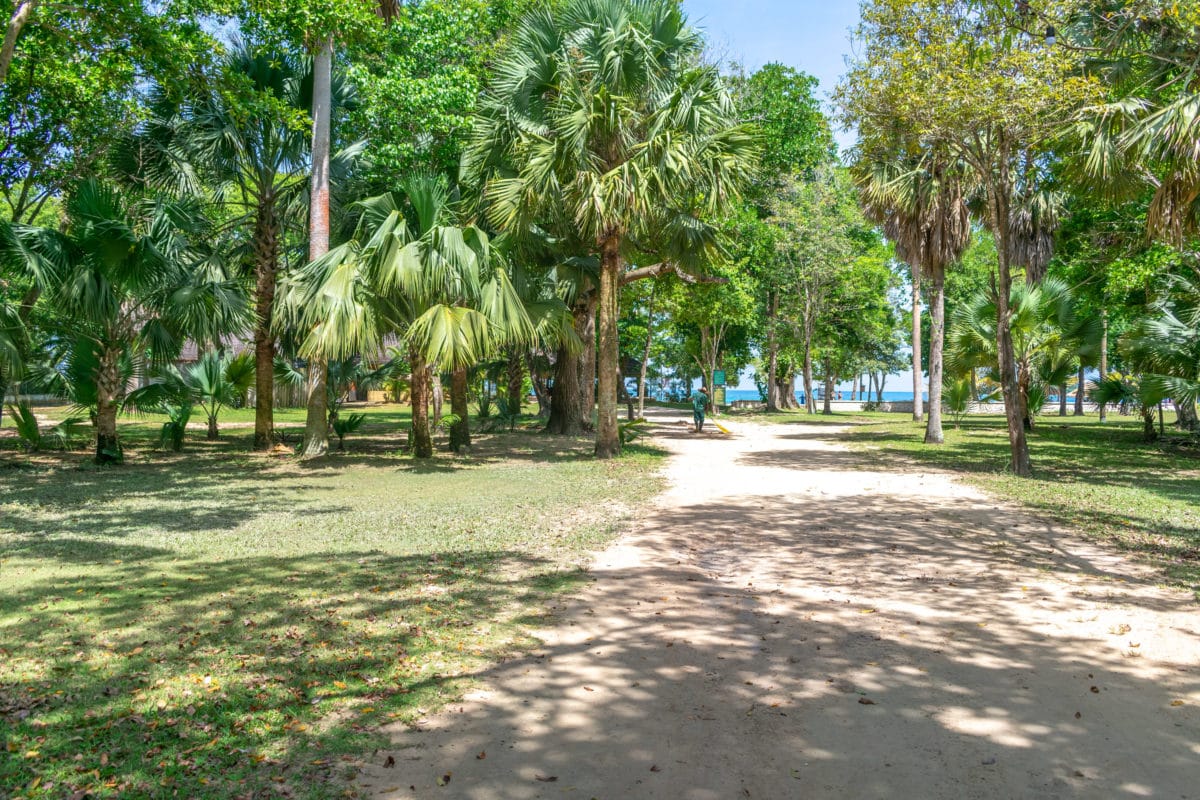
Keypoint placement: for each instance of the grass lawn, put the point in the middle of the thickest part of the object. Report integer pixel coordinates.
(221, 624)
(1102, 479)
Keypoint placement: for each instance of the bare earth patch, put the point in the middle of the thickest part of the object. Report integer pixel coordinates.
(786, 623)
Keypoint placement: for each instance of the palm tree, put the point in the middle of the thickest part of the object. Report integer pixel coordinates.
(601, 119)
(134, 281)
(923, 210)
(1045, 328)
(410, 271)
(257, 157)
(1165, 346)
(1127, 393)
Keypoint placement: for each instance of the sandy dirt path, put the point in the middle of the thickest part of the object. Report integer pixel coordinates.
(787, 622)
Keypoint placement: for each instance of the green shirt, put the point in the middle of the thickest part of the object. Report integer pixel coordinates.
(699, 401)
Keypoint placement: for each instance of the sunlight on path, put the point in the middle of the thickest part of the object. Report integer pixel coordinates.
(789, 620)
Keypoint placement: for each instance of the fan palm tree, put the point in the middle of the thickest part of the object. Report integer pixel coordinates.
(410, 271)
(602, 119)
(922, 207)
(1044, 326)
(134, 281)
(1165, 346)
(238, 135)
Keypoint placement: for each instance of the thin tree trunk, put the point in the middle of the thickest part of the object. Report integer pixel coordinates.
(316, 426)
(460, 431)
(974, 385)
(1104, 358)
(937, 340)
(608, 442)
(108, 387)
(1079, 391)
(213, 432)
(16, 22)
(646, 353)
(810, 403)
(879, 387)
(1018, 444)
(435, 381)
(773, 398)
(539, 386)
(830, 381)
(1062, 400)
(422, 439)
(266, 267)
(918, 403)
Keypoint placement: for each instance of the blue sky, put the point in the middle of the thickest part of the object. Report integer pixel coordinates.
(811, 36)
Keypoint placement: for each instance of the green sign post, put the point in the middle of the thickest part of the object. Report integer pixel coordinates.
(719, 377)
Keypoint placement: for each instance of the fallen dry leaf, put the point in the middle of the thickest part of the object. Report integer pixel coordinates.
(1176, 703)
(481, 755)
(655, 768)
(866, 701)
(546, 778)
(390, 762)
(442, 781)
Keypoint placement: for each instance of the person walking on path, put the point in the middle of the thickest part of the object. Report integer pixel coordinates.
(699, 405)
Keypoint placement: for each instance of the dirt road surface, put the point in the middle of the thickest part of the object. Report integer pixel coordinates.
(791, 620)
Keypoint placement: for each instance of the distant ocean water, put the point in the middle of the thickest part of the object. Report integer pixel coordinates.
(752, 394)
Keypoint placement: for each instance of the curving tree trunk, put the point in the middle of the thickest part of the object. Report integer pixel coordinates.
(810, 403)
(266, 268)
(608, 442)
(16, 22)
(422, 438)
(937, 340)
(460, 431)
(586, 327)
(1009, 379)
(316, 426)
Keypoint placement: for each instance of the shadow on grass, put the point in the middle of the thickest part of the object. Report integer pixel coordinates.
(261, 676)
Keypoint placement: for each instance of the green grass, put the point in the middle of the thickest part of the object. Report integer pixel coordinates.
(1101, 479)
(221, 624)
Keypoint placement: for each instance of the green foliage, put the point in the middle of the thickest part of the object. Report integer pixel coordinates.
(957, 396)
(631, 430)
(781, 102)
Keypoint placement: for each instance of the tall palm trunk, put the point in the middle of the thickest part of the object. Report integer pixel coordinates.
(1062, 400)
(422, 438)
(937, 341)
(266, 267)
(1104, 358)
(316, 426)
(460, 431)
(918, 403)
(108, 388)
(1079, 388)
(608, 441)
(569, 414)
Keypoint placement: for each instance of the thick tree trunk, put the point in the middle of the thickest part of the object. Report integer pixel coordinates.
(108, 388)
(829, 384)
(608, 441)
(316, 426)
(1062, 400)
(266, 268)
(516, 381)
(567, 405)
(1104, 358)
(422, 438)
(213, 432)
(937, 340)
(460, 431)
(1079, 391)
(1186, 411)
(918, 402)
